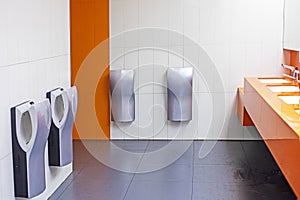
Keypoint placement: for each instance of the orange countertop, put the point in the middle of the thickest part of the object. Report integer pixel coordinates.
(279, 125)
(285, 111)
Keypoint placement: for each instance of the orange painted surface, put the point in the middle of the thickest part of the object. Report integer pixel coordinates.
(279, 126)
(291, 57)
(242, 112)
(89, 27)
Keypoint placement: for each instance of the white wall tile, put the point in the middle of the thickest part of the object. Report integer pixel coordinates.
(224, 30)
(190, 129)
(146, 12)
(238, 25)
(3, 32)
(161, 14)
(62, 32)
(6, 181)
(161, 63)
(116, 6)
(176, 16)
(205, 110)
(130, 14)
(116, 132)
(237, 66)
(253, 60)
(271, 62)
(13, 32)
(5, 142)
(191, 19)
(222, 21)
(235, 129)
(207, 21)
(220, 117)
(130, 131)
(160, 128)
(131, 61)
(175, 129)
(116, 58)
(272, 33)
(221, 59)
(146, 72)
(176, 56)
(145, 116)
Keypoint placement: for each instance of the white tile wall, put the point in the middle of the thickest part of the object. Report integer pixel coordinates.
(160, 128)
(6, 181)
(242, 38)
(5, 147)
(145, 118)
(34, 58)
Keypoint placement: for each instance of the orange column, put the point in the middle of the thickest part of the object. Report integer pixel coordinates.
(90, 27)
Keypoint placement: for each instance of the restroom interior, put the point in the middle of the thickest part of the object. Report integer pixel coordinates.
(48, 44)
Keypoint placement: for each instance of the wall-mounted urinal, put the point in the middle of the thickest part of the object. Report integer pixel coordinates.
(122, 95)
(59, 109)
(30, 125)
(66, 154)
(180, 89)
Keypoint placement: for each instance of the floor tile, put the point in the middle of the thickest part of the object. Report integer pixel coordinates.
(222, 153)
(231, 170)
(258, 156)
(61, 189)
(211, 191)
(159, 190)
(170, 173)
(132, 145)
(156, 145)
(224, 174)
(103, 173)
(93, 189)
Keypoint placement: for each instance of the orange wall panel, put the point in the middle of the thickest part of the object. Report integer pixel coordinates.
(89, 27)
(291, 57)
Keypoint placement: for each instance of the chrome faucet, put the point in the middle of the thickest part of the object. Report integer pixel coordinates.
(294, 72)
(296, 75)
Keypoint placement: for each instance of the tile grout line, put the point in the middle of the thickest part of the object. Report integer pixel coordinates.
(64, 189)
(248, 163)
(193, 170)
(135, 172)
(33, 61)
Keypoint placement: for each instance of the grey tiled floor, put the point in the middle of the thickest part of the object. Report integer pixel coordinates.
(232, 170)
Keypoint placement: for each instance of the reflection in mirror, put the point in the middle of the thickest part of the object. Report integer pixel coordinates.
(292, 25)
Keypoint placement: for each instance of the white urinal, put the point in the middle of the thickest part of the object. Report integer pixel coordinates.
(66, 155)
(30, 125)
(122, 95)
(59, 109)
(60, 138)
(180, 94)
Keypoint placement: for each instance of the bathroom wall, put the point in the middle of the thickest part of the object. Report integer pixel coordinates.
(243, 38)
(34, 58)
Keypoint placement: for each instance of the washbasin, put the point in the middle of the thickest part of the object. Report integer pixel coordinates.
(290, 99)
(273, 80)
(286, 88)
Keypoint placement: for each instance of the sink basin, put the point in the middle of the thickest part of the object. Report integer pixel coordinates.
(284, 88)
(273, 80)
(290, 99)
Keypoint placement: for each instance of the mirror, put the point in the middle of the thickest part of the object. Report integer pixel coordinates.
(291, 35)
